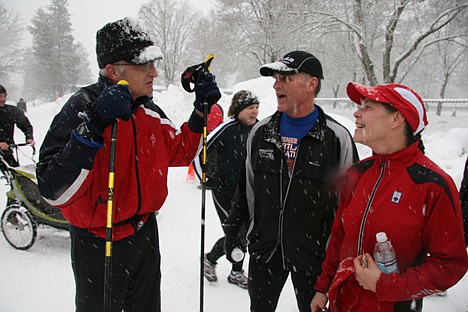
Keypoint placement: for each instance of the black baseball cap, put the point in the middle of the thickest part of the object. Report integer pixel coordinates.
(293, 63)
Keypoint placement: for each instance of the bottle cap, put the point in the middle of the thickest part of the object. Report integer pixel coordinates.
(381, 237)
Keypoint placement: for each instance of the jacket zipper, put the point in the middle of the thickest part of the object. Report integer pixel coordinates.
(137, 174)
(367, 210)
(283, 205)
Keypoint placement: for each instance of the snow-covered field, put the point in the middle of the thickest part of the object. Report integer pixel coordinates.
(41, 279)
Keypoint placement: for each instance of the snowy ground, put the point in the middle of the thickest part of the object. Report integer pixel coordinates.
(40, 279)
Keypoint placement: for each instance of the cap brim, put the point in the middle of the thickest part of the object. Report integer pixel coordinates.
(357, 91)
(276, 67)
(150, 53)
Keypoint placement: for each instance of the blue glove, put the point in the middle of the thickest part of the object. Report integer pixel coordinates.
(113, 103)
(207, 90)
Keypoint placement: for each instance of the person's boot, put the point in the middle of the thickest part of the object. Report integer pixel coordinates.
(209, 270)
(238, 278)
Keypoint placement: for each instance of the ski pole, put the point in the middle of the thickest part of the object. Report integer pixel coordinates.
(190, 75)
(206, 69)
(110, 204)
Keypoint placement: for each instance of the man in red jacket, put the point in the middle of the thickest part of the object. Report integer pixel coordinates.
(73, 168)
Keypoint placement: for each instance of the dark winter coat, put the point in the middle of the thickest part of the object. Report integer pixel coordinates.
(464, 200)
(292, 215)
(225, 154)
(73, 173)
(9, 116)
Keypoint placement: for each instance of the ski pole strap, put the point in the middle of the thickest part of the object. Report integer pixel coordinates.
(190, 74)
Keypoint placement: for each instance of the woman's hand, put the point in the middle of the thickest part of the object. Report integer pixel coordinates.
(319, 302)
(366, 277)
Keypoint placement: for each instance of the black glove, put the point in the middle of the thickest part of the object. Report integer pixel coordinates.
(113, 103)
(232, 240)
(207, 90)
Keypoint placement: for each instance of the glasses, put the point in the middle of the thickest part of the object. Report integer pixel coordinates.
(146, 67)
(282, 78)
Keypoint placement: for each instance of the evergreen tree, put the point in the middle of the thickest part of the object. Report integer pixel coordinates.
(57, 58)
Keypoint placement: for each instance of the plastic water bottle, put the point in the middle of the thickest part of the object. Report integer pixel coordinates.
(237, 254)
(384, 254)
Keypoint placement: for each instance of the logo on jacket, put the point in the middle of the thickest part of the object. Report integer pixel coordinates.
(266, 153)
(153, 139)
(396, 197)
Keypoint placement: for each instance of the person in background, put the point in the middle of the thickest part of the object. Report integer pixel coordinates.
(215, 118)
(22, 105)
(464, 200)
(286, 189)
(9, 117)
(73, 168)
(399, 191)
(225, 153)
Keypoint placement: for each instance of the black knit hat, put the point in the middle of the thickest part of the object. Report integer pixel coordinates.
(125, 40)
(292, 63)
(241, 100)
(2, 90)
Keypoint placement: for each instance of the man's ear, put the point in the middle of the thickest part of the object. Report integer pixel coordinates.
(313, 83)
(113, 72)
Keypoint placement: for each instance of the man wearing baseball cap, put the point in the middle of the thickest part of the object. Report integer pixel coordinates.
(73, 168)
(400, 191)
(285, 189)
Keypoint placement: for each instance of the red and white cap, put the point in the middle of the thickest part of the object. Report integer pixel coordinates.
(404, 99)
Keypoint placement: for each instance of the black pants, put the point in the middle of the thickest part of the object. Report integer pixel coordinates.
(136, 275)
(266, 281)
(222, 204)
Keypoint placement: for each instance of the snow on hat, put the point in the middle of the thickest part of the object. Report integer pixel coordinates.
(2, 90)
(241, 100)
(125, 40)
(402, 98)
(292, 63)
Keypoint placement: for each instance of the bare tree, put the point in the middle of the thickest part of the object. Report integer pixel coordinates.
(11, 30)
(393, 33)
(170, 25)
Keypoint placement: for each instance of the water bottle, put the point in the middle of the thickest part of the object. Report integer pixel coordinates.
(237, 254)
(384, 254)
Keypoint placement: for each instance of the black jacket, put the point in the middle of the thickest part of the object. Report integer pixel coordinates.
(9, 116)
(464, 200)
(291, 215)
(225, 154)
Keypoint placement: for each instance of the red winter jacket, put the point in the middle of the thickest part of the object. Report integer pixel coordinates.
(416, 203)
(73, 174)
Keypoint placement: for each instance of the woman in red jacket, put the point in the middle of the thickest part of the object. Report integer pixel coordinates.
(401, 192)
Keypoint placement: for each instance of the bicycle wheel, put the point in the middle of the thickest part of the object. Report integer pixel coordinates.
(19, 227)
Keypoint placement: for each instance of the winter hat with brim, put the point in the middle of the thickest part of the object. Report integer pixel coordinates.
(402, 98)
(293, 63)
(125, 40)
(240, 101)
(2, 90)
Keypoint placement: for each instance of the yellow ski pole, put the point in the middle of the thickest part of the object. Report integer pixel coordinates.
(109, 220)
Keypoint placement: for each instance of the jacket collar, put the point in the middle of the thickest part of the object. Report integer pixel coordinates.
(271, 132)
(404, 156)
